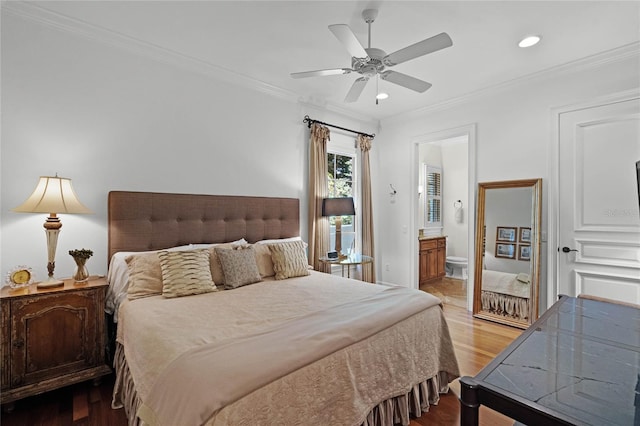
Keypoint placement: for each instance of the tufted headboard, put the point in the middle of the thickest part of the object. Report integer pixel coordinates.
(140, 221)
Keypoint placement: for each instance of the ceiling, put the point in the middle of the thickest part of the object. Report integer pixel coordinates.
(264, 41)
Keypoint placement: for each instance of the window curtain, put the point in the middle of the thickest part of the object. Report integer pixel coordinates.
(368, 270)
(318, 190)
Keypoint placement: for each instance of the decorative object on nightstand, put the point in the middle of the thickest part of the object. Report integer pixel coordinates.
(52, 195)
(81, 273)
(20, 276)
(338, 207)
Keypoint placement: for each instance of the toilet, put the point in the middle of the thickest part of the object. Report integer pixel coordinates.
(456, 267)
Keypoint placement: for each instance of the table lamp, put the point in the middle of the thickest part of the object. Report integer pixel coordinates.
(52, 195)
(338, 207)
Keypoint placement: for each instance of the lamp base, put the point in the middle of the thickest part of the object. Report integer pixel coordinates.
(50, 283)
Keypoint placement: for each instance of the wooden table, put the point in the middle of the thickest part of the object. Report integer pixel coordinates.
(578, 364)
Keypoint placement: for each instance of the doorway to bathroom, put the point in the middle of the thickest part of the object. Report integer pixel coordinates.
(444, 208)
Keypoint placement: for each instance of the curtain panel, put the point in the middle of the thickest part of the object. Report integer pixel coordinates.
(368, 249)
(318, 190)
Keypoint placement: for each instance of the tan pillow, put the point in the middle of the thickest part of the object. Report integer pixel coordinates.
(185, 273)
(289, 259)
(145, 275)
(214, 263)
(239, 266)
(263, 259)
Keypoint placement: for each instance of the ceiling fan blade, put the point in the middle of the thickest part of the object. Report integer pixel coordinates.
(321, 73)
(405, 81)
(344, 34)
(418, 49)
(356, 89)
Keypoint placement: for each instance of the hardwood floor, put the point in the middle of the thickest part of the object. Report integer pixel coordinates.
(476, 343)
(451, 291)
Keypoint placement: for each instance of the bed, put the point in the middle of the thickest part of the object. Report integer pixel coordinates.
(506, 294)
(309, 348)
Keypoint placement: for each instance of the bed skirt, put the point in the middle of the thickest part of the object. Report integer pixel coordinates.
(396, 410)
(505, 305)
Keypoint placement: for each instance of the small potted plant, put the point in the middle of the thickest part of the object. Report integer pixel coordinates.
(81, 274)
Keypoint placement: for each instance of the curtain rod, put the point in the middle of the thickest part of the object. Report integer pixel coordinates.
(310, 121)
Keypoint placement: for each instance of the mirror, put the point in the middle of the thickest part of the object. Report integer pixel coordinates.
(507, 264)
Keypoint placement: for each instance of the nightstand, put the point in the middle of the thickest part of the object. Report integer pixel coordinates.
(50, 338)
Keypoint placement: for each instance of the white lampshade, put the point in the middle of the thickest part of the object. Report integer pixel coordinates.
(53, 194)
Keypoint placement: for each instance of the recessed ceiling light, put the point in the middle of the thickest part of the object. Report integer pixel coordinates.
(530, 41)
(382, 95)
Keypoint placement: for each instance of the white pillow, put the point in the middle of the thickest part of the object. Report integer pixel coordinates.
(282, 240)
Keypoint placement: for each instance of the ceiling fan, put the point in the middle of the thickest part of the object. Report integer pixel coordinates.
(371, 62)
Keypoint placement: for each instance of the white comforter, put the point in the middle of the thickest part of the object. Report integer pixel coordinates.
(341, 388)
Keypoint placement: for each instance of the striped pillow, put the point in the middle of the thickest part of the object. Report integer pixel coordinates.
(185, 273)
(289, 259)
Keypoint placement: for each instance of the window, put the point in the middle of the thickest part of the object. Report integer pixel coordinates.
(341, 179)
(433, 198)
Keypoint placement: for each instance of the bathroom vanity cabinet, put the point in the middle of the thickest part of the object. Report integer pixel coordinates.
(433, 256)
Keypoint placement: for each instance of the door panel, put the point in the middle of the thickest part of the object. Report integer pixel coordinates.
(598, 201)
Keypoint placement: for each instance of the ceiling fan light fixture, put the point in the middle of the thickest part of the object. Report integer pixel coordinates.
(529, 41)
(372, 62)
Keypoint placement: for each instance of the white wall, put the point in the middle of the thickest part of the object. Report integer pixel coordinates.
(114, 120)
(513, 130)
(455, 180)
(451, 156)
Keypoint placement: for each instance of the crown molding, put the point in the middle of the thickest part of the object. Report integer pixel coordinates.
(48, 18)
(82, 29)
(133, 45)
(619, 54)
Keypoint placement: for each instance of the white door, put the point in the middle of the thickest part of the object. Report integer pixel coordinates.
(599, 222)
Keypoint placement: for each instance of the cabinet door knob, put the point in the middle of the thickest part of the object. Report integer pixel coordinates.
(18, 343)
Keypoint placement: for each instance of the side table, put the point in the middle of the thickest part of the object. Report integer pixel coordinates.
(352, 259)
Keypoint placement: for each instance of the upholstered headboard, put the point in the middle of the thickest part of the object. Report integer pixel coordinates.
(140, 221)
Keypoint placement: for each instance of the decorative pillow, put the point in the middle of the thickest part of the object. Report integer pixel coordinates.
(141, 275)
(289, 259)
(239, 266)
(145, 275)
(263, 254)
(263, 259)
(185, 273)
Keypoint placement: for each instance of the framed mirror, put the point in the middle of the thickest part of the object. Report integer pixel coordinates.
(507, 268)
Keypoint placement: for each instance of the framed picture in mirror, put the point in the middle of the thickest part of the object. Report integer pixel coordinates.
(506, 250)
(506, 233)
(524, 252)
(524, 235)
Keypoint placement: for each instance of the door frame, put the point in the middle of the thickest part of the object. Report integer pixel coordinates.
(469, 131)
(553, 194)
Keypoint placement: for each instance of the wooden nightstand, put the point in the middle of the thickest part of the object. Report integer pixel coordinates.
(50, 338)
